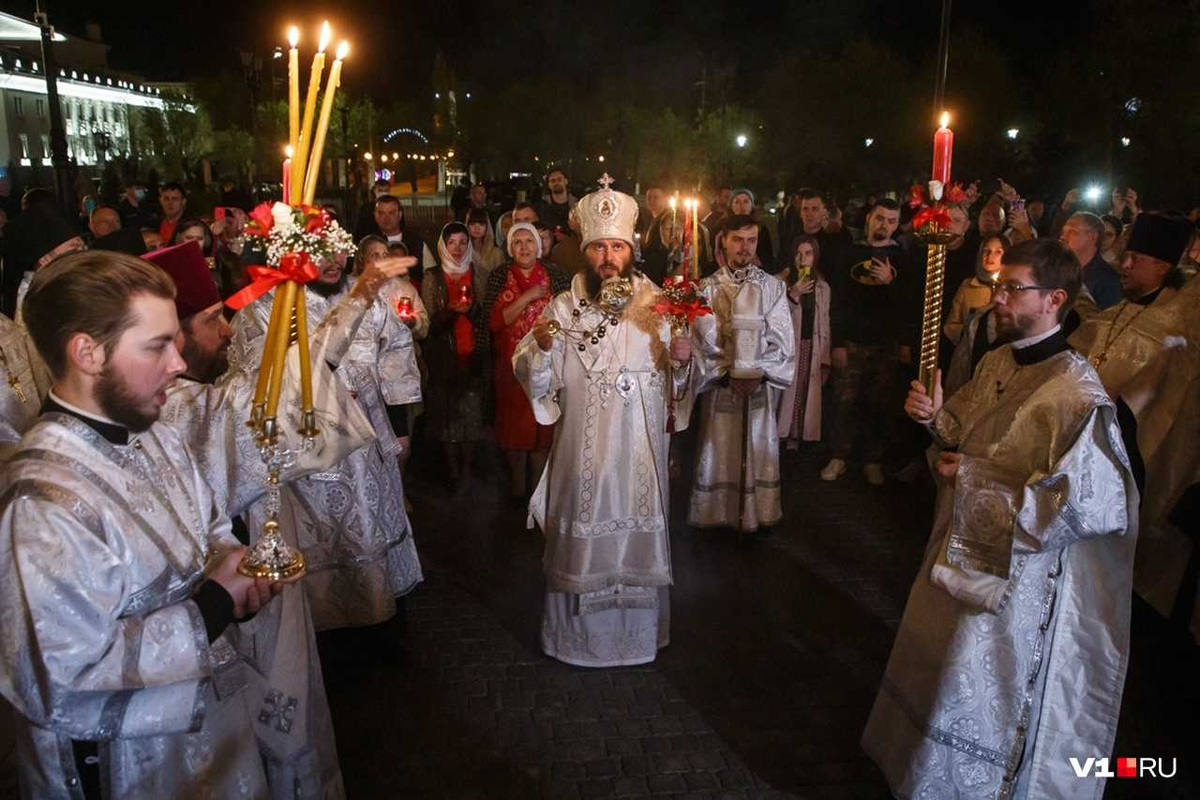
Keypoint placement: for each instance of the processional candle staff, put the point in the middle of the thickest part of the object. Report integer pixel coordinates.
(936, 237)
(289, 227)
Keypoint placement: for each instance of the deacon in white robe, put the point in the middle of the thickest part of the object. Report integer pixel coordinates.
(208, 405)
(1012, 652)
(736, 483)
(602, 367)
(350, 520)
(118, 578)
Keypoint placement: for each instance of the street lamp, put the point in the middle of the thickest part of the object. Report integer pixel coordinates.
(1125, 140)
(601, 159)
(1013, 132)
(868, 142)
(741, 140)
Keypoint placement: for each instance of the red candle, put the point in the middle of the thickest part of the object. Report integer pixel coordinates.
(287, 176)
(943, 148)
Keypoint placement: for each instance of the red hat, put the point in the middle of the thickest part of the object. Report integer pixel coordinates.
(195, 289)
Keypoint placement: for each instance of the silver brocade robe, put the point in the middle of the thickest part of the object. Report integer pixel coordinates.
(602, 501)
(1039, 527)
(1152, 362)
(350, 520)
(101, 549)
(23, 383)
(754, 340)
(285, 691)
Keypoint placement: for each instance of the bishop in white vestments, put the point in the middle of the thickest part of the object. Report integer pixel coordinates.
(603, 367)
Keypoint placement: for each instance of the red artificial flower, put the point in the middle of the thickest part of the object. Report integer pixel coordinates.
(955, 194)
(315, 222)
(261, 220)
(916, 196)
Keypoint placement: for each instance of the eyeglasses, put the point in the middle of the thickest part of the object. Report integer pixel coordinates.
(1009, 288)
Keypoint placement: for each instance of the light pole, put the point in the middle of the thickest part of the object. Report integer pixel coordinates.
(58, 139)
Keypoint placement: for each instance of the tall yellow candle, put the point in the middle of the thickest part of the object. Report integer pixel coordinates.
(696, 239)
(268, 353)
(306, 390)
(318, 144)
(285, 297)
(293, 91)
(310, 109)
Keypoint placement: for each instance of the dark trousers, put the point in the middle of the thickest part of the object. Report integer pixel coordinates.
(866, 396)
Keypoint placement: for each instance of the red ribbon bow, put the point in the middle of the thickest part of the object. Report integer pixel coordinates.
(938, 214)
(296, 267)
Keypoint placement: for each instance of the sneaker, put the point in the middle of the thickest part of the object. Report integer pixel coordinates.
(874, 473)
(833, 470)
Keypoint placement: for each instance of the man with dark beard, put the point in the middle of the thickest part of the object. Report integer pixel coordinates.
(117, 564)
(874, 321)
(207, 406)
(1011, 655)
(602, 364)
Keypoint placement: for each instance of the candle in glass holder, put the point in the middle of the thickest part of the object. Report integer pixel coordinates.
(943, 149)
(404, 308)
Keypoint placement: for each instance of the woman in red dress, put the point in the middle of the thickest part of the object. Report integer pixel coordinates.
(519, 291)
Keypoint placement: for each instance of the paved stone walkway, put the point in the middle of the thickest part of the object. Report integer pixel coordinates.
(776, 654)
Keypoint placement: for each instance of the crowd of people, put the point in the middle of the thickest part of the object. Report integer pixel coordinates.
(1058, 432)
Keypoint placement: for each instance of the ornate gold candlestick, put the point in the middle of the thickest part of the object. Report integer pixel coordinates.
(931, 316)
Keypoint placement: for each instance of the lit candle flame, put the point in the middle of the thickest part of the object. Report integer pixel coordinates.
(288, 151)
(944, 120)
(293, 37)
(343, 50)
(326, 35)
(672, 202)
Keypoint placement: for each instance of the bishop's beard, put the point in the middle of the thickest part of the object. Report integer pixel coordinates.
(593, 281)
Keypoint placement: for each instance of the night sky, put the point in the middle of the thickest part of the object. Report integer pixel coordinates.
(492, 43)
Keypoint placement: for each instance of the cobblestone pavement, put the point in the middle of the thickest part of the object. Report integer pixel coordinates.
(777, 650)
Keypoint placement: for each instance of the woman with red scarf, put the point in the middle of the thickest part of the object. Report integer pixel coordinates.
(453, 397)
(517, 294)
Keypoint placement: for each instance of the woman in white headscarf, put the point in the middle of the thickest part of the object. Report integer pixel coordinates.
(517, 293)
(454, 397)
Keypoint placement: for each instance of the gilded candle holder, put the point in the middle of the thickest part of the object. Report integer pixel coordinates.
(935, 240)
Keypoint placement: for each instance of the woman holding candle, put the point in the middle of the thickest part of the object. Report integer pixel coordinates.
(808, 298)
(451, 292)
(516, 295)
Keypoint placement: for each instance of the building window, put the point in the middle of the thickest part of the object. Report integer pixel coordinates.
(19, 106)
(41, 109)
(46, 145)
(24, 145)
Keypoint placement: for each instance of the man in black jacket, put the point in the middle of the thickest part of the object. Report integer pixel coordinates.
(874, 291)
